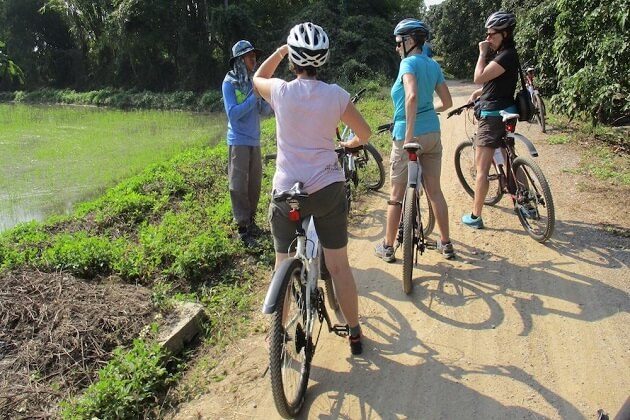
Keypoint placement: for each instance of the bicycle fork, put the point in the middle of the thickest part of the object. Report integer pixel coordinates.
(414, 180)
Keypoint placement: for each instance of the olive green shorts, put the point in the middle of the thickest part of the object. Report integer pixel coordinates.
(328, 206)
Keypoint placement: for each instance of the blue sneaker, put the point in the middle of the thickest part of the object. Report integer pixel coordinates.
(473, 223)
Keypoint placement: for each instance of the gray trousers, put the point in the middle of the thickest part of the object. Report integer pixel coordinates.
(245, 177)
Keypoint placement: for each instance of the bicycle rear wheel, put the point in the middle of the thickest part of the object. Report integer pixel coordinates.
(290, 351)
(541, 114)
(535, 207)
(372, 170)
(467, 173)
(410, 224)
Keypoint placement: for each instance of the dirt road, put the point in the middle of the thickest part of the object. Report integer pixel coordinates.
(511, 329)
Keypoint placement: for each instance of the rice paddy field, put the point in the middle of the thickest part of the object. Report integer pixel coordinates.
(52, 157)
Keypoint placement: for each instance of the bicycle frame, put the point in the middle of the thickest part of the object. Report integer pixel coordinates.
(414, 180)
(307, 251)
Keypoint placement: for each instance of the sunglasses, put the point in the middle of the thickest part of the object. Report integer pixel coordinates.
(491, 34)
(399, 43)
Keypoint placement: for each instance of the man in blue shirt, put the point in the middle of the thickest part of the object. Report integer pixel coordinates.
(243, 107)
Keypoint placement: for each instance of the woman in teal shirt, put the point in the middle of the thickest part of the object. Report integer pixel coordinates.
(416, 120)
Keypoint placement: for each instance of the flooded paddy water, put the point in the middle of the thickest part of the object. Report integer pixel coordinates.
(52, 157)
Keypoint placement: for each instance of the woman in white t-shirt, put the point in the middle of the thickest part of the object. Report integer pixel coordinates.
(307, 113)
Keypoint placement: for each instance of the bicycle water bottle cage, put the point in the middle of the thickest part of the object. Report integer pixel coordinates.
(412, 149)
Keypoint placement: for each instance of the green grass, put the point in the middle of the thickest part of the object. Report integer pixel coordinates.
(558, 139)
(52, 157)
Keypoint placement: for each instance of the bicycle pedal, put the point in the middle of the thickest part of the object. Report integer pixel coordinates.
(430, 244)
(341, 330)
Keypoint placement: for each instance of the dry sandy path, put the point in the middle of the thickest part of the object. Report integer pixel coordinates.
(511, 329)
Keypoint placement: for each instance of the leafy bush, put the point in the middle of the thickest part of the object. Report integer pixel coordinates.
(125, 385)
(83, 255)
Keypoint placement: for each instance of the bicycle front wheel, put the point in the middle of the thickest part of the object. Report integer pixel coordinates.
(410, 223)
(372, 170)
(466, 170)
(290, 349)
(541, 115)
(534, 204)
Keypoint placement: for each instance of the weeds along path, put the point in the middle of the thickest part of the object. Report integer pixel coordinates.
(510, 329)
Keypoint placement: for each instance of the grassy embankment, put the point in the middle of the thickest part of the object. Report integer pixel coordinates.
(168, 228)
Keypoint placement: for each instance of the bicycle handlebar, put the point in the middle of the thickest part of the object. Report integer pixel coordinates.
(357, 96)
(459, 110)
(341, 149)
(385, 127)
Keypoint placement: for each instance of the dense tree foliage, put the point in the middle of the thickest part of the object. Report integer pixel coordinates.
(165, 45)
(579, 47)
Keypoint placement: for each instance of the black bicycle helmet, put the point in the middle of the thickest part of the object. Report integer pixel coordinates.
(501, 20)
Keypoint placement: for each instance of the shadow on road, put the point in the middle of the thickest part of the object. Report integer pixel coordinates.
(424, 381)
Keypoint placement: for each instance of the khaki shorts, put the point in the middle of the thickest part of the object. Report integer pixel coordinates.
(328, 206)
(430, 157)
(490, 132)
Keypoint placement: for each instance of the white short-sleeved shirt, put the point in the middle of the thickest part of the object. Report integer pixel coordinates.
(307, 113)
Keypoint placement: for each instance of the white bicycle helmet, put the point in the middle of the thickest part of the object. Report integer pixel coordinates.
(308, 45)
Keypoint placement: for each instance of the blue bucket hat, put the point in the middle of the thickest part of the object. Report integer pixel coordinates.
(242, 47)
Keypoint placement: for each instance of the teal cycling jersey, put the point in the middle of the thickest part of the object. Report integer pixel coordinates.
(428, 75)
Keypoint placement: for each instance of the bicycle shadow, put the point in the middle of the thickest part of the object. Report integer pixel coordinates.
(400, 375)
(452, 292)
(584, 242)
(364, 220)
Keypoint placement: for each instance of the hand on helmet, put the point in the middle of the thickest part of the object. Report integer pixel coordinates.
(283, 50)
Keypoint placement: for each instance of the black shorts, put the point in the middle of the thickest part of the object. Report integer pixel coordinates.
(490, 132)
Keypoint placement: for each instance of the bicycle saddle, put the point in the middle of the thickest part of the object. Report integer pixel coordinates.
(412, 146)
(508, 116)
(294, 193)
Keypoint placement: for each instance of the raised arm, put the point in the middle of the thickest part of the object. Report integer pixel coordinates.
(262, 77)
(484, 72)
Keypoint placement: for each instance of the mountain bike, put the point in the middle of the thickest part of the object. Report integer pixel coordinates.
(362, 164)
(295, 302)
(517, 176)
(413, 232)
(540, 111)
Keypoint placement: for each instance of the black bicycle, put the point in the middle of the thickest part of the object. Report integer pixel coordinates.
(518, 176)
